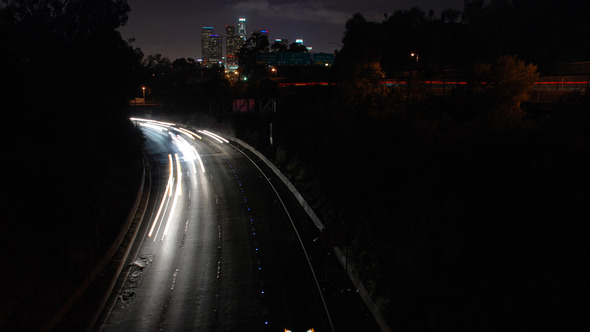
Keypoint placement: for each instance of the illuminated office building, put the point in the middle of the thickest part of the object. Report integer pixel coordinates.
(233, 43)
(215, 49)
(242, 29)
(206, 33)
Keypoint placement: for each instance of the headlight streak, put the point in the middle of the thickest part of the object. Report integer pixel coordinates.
(176, 195)
(214, 136)
(200, 160)
(180, 130)
(165, 199)
(162, 123)
(167, 209)
(189, 152)
(187, 149)
(190, 133)
(154, 126)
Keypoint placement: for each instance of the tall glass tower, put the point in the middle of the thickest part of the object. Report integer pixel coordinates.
(232, 45)
(242, 28)
(215, 54)
(206, 33)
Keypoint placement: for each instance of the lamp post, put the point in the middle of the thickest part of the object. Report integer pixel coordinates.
(143, 91)
(413, 55)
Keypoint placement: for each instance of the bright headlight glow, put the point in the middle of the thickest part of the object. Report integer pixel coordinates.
(161, 123)
(187, 150)
(166, 197)
(176, 195)
(189, 133)
(154, 126)
(200, 160)
(214, 136)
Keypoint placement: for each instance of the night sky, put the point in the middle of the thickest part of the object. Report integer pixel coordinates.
(172, 27)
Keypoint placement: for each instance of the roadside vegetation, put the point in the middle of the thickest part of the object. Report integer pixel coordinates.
(462, 212)
(72, 158)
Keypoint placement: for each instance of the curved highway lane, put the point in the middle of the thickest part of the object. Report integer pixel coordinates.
(217, 252)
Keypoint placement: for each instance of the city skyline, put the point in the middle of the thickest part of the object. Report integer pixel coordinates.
(214, 51)
(174, 30)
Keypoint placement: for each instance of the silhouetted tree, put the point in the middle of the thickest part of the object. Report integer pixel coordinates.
(67, 52)
(297, 48)
(67, 76)
(184, 84)
(450, 15)
(258, 42)
(509, 82)
(278, 47)
(486, 31)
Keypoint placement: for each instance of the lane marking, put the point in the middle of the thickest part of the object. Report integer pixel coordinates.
(296, 233)
(174, 279)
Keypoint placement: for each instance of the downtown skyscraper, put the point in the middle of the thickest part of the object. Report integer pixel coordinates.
(211, 47)
(233, 42)
(242, 29)
(215, 49)
(206, 33)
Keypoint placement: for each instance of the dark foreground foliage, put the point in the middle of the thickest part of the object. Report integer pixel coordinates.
(462, 213)
(72, 157)
(456, 221)
(466, 212)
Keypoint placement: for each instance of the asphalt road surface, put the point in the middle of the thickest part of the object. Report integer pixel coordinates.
(216, 250)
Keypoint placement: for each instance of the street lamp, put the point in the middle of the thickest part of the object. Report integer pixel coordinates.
(143, 91)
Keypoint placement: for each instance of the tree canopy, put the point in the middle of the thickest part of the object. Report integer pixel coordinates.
(66, 53)
(67, 78)
(533, 30)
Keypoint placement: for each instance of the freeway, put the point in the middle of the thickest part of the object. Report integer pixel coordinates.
(216, 251)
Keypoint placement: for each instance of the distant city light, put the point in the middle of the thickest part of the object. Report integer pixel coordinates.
(299, 41)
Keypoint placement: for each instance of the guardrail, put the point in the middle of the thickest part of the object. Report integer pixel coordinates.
(83, 287)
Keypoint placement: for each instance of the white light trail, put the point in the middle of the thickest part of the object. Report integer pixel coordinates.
(179, 176)
(177, 194)
(214, 136)
(166, 196)
(154, 126)
(187, 149)
(190, 133)
(189, 152)
(200, 160)
(162, 123)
